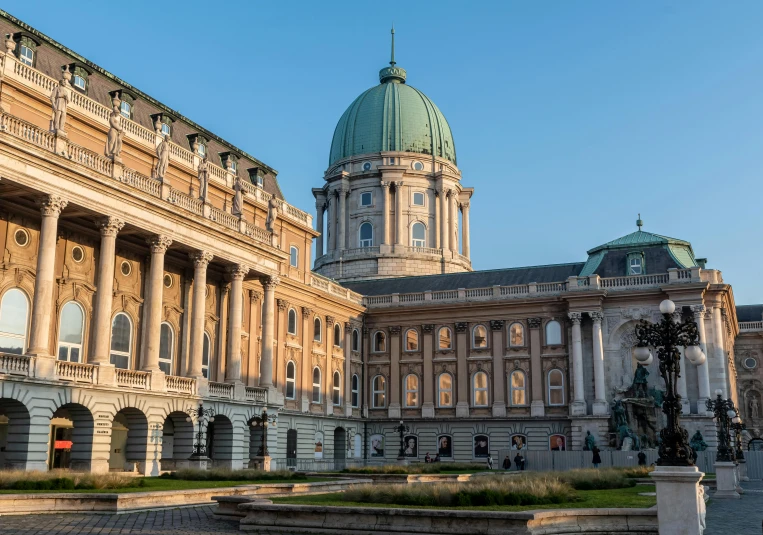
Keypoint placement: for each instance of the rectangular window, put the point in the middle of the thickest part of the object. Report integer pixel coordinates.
(259, 181)
(79, 82)
(26, 55)
(634, 265)
(125, 108)
(294, 257)
(366, 198)
(165, 129)
(418, 199)
(202, 150)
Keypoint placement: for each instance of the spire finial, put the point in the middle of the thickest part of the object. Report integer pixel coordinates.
(639, 223)
(392, 61)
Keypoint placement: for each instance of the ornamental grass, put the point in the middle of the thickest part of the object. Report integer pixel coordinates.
(65, 480)
(422, 468)
(597, 479)
(222, 474)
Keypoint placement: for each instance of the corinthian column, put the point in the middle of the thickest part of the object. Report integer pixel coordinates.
(39, 332)
(703, 375)
(331, 221)
(153, 302)
(385, 212)
(319, 222)
(268, 319)
(342, 218)
(109, 227)
(235, 319)
(444, 226)
(399, 212)
(201, 260)
(578, 405)
(465, 229)
(453, 220)
(600, 402)
(718, 350)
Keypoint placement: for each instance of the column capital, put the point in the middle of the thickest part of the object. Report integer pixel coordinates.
(461, 326)
(330, 321)
(348, 327)
(52, 205)
(496, 325)
(575, 317)
(270, 282)
(398, 183)
(534, 323)
(254, 296)
(307, 312)
(465, 205)
(320, 205)
(159, 244)
(395, 330)
(596, 316)
(427, 328)
(200, 259)
(109, 226)
(385, 184)
(283, 304)
(237, 272)
(344, 191)
(698, 310)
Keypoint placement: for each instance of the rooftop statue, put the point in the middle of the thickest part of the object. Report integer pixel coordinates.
(114, 138)
(162, 158)
(60, 97)
(238, 198)
(272, 214)
(203, 179)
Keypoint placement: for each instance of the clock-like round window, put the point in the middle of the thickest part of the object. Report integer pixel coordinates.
(21, 237)
(750, 363)
(125, 268)
(366, 166)
(78, 255)
(167, 280)
(418, 166)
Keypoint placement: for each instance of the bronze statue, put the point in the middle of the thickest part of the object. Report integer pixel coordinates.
(640, 381)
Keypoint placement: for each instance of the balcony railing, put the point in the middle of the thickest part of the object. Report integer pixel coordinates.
(748, 326)
(74, 371)
(258, 395)
(133, 379)
(220, 390)
(14, 365)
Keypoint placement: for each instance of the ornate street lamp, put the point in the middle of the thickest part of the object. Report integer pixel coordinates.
(666, 337)
(203, 417)
(402, 429)
(724, 411)
(738, 426)
(264, 421)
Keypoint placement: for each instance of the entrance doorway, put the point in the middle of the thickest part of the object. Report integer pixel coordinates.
(291, 448)
(340, 448)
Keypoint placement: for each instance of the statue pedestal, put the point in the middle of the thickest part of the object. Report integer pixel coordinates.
(742, 471)
(726, 481)
(680, 500)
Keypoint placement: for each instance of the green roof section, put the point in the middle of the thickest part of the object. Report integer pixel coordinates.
(593, 262)
(640, 237)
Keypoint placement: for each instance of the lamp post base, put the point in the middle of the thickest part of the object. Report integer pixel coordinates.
(200, 462)
(680, 500)
(726, 480)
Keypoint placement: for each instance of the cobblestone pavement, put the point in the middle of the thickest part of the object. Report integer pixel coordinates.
(737, 517)
(186, 521)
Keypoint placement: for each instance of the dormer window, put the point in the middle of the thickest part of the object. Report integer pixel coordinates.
(229, 161)
(79, 82)
(202, 150)
(79, 77)
(255, 177)
(26, 55)
(636, 264)
(198, 144)
(163, 124)
(126, 101)
(166, 129)
(125, 108)
(26, 50)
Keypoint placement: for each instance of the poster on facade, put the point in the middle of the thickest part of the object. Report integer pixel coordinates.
(318, 445)
(376, 445)
(445, 446)
(481, 445)
(557, 442)
(518, 442)
(411, 446)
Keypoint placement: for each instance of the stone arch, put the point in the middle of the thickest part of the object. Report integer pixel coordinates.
(14, 434)
(220, 440)
(177, 439)
(72, 439)
(130, 442)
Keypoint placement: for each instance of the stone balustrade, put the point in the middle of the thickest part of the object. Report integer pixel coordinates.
(74, 371)
(220, 390)
(747, 326)
(258, 395)
(327, 285)
(133, 379)
(181, 385)
(15, 365)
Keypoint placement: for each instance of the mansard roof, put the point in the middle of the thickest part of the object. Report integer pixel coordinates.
(749, 312)
(472, 279)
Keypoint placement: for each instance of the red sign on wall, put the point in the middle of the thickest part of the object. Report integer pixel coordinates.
(63, 444)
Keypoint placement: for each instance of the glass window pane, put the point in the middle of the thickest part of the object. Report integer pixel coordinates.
(366, 231)
(445, 338)
(120, 333)
(410, 399)
(411, 340)
(63, 353)
(411, 382)
(446, 381)
(120, 361)
(480, 397)
(72, 321)
(317, 330)
(517, 336)
(205, 352)
(553, 333)
(294, 256)
(165, 367)
(419, 231)
(74, 354)
(445, 399)
(556, 397)
(555, 378)
(13, 345)
(517, 380)
(518, 397)
(316, 394)
(418, 199)
(290, 389)
(337, 380)
(365, 199)
(480, 336)
(480, 380)
(290, 371)
(165, 342)
(13, 313)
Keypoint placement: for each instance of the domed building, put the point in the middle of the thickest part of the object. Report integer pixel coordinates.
(393, 203)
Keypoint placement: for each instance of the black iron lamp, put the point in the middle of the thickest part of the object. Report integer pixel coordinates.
(204, 417)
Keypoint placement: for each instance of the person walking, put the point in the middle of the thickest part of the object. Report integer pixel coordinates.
(427, 459)
(641, 458)
(507, 463)
(519, 462)
(596, 459)
(489, 462)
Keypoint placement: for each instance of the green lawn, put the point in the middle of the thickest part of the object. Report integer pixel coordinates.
(628, 497)
(161, 484)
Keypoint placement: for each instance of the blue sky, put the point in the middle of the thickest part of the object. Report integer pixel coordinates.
(569, 117)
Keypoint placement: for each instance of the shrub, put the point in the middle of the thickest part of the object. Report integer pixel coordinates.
(221, 474)
(65, 480)
(596, 479)
(424, 468)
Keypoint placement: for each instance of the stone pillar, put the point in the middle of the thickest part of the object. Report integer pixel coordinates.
(427, 384)
(703, 375)
(342, 218)
(394, 372)
(235, 320)
(578, 405)
(537, 405)
(305, 382)
(462, 370)
(185, 330)
(726, 480)
(465, 247)
(385, 212)
(328, 374)
(152, 304)
(279, 353)
(254, 339)
(453, 221)
(600, 407)
(319, 205)
(347, 369)
(201, 260)
(399, 213)
(268, 319)
(109, 227)
(44, 281)
(681, 499)
(331, 221)
(444, 226)
(718, 351)
(217, 372)
(499, 375)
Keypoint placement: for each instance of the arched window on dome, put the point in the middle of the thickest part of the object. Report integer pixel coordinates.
(418, 235)
(366, 234)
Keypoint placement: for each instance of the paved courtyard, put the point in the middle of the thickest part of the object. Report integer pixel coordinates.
(740, 517)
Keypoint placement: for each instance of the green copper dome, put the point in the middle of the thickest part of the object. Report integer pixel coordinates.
(392, 116)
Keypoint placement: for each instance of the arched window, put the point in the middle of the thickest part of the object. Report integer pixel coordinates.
(479, 389)
(555, 387)
(445, 338)
(316, 385)
(411, 340)
(317, 330)
(516, 335)
(206, 356)
(380, 342)
(445, 390)
(292, 326)
(70, 334)
(355, 340)
(14, 310)
(419, 235)
(479, 337)
(379, 391)
(291, 380)
(366, 234)
(166, 348)
(294, 256)
(411, 384)
(518, 388)
(121, 341)
(553, 333)
(337, 335)
(337, 392)
(355, 391)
